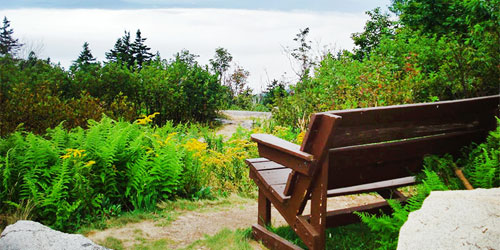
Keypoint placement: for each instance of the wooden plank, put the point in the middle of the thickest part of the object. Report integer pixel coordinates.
(345, 216)
(306, 232)
(264, 210)
(362, 164)
(318, 205)
(416, 112)
(362, 126)
(281, 145)
(272, 240)
(275, 176)
(254, 160)
(371, 187)
(318, 138)
(265, 181)
(267, 165)
(291, 161)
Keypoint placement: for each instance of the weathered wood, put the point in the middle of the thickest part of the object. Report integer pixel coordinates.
(318, 205)
(264, 210)
(284, 158)
(281, 145)
(358, 151)
(271, 240)
(370, 125)
(307, 232)
(362, 164)
(267, 165)
(342, 217)
(371, 187)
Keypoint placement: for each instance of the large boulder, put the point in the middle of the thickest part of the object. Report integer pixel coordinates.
(466, 219)
(24, 235)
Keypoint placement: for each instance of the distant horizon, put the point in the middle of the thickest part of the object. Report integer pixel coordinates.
(255, 38)
(353, 6)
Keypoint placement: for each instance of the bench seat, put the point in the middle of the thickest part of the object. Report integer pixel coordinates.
(275, 177)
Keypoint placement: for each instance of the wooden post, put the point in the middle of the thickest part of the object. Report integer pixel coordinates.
(318, 206)
(264, 210)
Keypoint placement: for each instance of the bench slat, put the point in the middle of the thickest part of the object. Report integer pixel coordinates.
(371, 125)
(362, 164)
(281, 145)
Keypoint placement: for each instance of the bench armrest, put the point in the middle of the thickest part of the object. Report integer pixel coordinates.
(283, 152)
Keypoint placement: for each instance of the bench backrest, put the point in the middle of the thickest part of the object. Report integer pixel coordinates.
(382, 143)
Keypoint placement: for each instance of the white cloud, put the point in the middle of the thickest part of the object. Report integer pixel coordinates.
(254, 38)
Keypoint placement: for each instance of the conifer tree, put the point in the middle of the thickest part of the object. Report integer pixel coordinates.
(8, 45)
(140, 51)
(122, 51)
(85, 58)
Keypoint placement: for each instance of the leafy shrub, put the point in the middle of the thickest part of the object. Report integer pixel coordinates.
(38, 108)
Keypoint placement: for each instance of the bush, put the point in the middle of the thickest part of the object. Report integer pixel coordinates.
(38, 108)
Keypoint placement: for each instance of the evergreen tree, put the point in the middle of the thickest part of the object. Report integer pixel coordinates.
(8, 45)
(122, 51)
(86, 58)
(140, 51)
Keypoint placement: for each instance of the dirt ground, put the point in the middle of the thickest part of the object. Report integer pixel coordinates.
(190, 226)
(194, 225)
(237, 118)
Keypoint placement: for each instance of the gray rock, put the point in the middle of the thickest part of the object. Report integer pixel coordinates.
(466, 219)
(28, 235)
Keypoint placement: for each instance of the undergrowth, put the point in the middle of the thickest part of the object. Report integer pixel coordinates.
(75, 177)
(480, 165)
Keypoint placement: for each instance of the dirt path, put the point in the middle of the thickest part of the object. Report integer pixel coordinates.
(237, 118)
(190, 226)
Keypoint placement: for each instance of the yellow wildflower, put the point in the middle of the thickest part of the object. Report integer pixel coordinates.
(195, 146)
(147, 119)
(300, 137)
(90, 163)
(76, 153)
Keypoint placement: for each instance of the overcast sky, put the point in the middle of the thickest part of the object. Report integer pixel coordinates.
(254, 32)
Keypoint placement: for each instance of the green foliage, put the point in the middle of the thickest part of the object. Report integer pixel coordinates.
(354, 236)
(180, 90)
(376, 29)
(481, 166)
(438, 50)
(73, 177)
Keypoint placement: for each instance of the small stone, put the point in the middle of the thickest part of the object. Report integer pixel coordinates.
(27, 235)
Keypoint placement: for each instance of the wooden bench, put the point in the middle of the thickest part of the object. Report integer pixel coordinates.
(357, 151)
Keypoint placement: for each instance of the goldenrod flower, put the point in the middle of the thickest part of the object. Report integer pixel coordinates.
(90, 163)
(147, 119)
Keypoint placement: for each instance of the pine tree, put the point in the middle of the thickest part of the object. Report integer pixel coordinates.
(86, 58)
(140, 51)
(122, 51)
(8, 45)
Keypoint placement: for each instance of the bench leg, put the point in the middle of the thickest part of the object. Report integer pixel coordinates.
(271, 240)
(318, 208)
(264, 210)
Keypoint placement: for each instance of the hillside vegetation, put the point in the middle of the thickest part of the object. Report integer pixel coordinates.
(91, 142)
